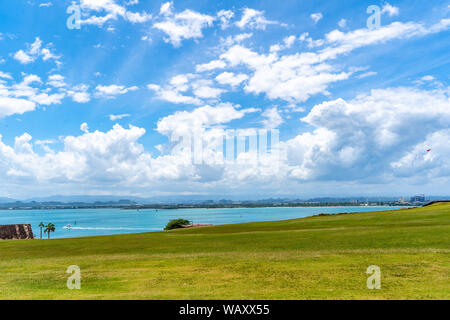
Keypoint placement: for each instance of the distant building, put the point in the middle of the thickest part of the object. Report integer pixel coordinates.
(420, 198)
(16, 232)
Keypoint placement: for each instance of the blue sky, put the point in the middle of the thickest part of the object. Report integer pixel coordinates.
(101, 109)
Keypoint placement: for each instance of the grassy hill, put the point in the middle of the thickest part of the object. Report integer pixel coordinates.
(322, 257)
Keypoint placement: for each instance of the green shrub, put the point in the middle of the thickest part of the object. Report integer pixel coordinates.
(175, 224)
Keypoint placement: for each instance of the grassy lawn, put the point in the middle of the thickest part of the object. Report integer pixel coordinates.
(311, 258)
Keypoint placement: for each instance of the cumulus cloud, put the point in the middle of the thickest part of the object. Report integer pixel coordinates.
(373, 137)
(212, 65)
(231, 79)
(273, 118)
(80, 93)
(225, 16)
(32, 91)
(34, 51)
(363, 138)
(10, 106)
(296, 77)
(183, 122)
(177, 90)
(5, 75)
(56, 80)
(113, 90)
(22, 57)
(111, 11)
(291, 77)
(174, 91)
(390, 10)
(18, 98)
(203, 89)
(187, 24)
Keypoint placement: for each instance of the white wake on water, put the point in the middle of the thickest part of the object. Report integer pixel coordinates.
(105, 228)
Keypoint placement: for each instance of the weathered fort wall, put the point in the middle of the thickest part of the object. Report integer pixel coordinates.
(16, 232)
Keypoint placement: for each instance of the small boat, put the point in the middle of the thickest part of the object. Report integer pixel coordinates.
(67, 227)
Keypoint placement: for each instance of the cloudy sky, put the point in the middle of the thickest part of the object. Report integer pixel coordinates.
(98, 97)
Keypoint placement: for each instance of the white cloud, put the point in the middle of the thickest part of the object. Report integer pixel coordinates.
(287, 43)
(80, 96)
(34, 51)
(183, 123)
(136, 17)
(367, 74)
(48, 99)
(5, 75)
(297, 77)
(18, 98)
(231, 79)
(236, 39)
(114, 117)
(427, 78)
(316, 17)
(187, 24)
(342, 23)
(341, 42)
(56, 80)
(215, 64)
(111, 10)
(22, 57)
(10, 106)
(225, 16)
(291, 77)
(172, 94)
(23, 97)
(84, 127)
(254, 19)
(360, 139)
(113, 90)
(177, 89)
(79, 93)
(273, 118)
(373, 137)
(94, 157)
(166, 9)
(207, 92)
(390, 10)
(46, 4)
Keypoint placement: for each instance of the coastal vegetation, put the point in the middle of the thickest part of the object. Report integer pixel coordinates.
(49, 228)
(176, 224)
(320, 257)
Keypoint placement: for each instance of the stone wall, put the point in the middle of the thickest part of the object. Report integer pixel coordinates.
(16, 232)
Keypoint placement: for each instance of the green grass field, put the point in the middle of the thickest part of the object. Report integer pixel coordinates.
(311, 258)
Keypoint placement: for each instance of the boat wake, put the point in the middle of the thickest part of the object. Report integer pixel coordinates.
(105, 228)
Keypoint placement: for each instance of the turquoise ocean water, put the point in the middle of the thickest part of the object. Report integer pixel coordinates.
(91, 222)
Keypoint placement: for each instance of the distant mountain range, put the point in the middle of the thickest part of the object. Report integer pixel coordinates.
(6, 200)
(192, 199)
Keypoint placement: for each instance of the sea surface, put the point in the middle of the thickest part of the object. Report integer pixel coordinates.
(93, 222)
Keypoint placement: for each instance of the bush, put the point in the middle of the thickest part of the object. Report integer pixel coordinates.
(176, 224)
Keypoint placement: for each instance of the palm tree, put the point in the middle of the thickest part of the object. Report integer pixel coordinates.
(50, 227)
(41, 225)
